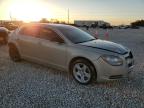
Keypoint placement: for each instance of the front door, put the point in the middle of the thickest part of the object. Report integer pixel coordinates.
(53, 47)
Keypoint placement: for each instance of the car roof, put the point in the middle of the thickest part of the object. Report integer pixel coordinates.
(48, 25)
(53, 26)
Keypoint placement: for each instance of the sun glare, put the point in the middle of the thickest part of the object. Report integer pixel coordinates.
(30, 11)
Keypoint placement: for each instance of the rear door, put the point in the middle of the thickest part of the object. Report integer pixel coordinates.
(29, 42)
(53, 47)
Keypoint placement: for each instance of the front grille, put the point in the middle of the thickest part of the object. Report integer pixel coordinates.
(129, 59)
(130, 64)
(130, 56)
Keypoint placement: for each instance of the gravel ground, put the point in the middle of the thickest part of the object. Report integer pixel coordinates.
(29, 85)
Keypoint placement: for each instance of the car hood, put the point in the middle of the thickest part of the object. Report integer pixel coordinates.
(106, 45)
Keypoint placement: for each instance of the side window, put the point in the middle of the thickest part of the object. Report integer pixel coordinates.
(48, 34)
(32, 31)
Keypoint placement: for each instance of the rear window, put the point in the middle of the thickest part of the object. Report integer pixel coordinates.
(48, 34)
(30, 31)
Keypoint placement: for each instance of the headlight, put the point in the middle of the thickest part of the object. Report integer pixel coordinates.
(112, 60)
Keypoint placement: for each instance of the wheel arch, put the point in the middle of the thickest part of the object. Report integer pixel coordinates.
(13, 44)
(84, 58)
(14, 52)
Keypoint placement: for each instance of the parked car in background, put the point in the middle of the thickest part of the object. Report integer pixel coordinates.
(3, 35)
(71, 49)
(135, 27)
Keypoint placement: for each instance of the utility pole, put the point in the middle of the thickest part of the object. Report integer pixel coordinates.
(68, 16)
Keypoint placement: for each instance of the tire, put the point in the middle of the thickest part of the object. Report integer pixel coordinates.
(5, 40)
(4, 37)
(14, 53)
(83, 71)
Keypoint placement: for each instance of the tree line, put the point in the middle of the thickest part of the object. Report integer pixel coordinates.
(138, 23)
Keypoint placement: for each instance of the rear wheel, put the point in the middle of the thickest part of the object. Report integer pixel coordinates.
(5, 40)
(14, 53)
(83, 71)
(3, 37)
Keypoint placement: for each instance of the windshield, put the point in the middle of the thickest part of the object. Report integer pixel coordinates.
(75, 35)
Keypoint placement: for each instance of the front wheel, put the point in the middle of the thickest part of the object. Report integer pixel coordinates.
(83, 71)
(14, 53)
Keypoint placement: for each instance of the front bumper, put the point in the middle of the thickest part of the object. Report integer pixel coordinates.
(106, 71)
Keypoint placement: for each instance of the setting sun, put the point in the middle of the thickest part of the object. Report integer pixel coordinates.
(30, 11)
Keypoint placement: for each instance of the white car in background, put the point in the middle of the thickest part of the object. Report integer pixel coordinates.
(71, 49)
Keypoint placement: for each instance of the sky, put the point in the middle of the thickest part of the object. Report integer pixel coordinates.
(113, 11)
